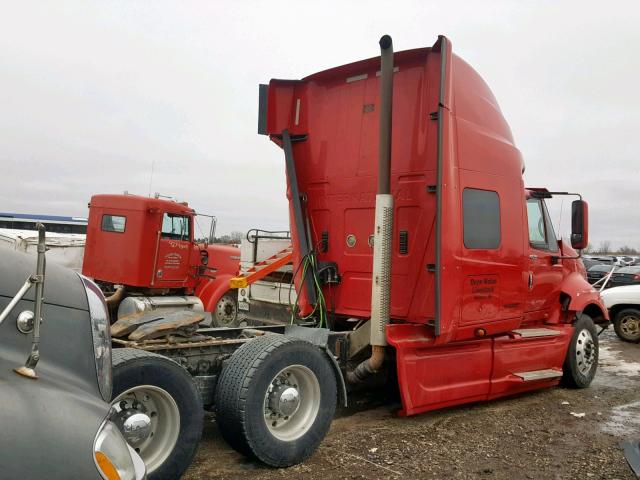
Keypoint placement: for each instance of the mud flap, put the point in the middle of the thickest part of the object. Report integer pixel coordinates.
(632, 454)
(319, 337)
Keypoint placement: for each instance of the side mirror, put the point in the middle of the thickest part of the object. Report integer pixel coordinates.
(579, 224)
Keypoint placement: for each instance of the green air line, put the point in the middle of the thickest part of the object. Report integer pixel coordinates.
(309, 261)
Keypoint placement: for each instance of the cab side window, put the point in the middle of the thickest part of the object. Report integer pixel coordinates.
(114, 223)
(541, 235)
(175, 227)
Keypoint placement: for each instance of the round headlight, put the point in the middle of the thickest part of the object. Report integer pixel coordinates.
(101, 336)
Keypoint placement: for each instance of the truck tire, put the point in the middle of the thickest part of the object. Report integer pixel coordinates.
(275, 399)
(581, 362)
(226, 312)
(627, 325)
(159, 388)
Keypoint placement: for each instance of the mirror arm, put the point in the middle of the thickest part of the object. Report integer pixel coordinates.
(31, 281)
(555, 258)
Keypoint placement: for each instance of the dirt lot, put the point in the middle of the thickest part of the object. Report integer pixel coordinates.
(531, 436)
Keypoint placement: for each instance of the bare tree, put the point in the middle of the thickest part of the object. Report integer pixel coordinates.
(627, 250)
(233, 237)
(605, 246)
(236, 236)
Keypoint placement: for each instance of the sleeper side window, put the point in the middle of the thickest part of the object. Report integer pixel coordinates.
(114, 223)
(175, 227)
(481, 218)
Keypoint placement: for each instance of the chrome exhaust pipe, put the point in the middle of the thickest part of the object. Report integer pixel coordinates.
(383, 230)
(117, 296)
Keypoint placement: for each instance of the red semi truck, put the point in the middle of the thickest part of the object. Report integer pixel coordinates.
(144, 250)
(416, 249)
(410, 216)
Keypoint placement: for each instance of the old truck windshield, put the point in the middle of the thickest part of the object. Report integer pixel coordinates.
(175, 227)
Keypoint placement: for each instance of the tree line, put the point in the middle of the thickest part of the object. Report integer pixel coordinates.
(604, 247)
(231, 238)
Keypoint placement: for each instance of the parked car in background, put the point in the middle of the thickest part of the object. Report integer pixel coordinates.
(628, 261)
(611, 259)
(625, 276)
(589, 262)
(623, 304)
(596, 272)
(55, 417)
(617, 261)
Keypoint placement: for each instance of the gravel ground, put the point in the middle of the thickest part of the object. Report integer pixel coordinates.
(531, 436)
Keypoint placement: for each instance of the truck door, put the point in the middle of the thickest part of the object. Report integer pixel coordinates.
(174, 248)
(545, 274)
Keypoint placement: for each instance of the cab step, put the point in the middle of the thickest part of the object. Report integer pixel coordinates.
(536, 332)
(539, 374)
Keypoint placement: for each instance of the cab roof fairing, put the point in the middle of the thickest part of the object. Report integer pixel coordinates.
(467, 95)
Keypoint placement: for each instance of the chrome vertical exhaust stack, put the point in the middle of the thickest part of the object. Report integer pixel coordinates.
(383, 229)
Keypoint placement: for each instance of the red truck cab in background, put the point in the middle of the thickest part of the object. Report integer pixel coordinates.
(148, 246)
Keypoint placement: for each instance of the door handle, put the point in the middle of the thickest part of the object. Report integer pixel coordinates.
(530, 280)
(533, 257)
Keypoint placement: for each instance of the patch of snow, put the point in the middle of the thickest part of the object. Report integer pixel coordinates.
(625, 420)
(610, 362)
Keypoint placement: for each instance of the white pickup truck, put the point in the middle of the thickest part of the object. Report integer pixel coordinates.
(623, 304)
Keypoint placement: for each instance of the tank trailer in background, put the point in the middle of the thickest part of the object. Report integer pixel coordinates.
(416, 249)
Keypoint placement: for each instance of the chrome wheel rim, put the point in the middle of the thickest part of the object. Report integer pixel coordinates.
(292, 402)
(630, 326)
(585, 351)
(155, 445)
(226, 311)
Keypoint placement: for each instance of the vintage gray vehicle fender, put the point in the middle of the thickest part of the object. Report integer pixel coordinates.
(49, 423)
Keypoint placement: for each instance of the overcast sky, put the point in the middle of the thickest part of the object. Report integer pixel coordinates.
(93, 93)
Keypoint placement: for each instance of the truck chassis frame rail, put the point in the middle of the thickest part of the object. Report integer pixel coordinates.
(204, 353)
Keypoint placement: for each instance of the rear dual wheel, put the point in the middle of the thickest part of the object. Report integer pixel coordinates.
(275, 399)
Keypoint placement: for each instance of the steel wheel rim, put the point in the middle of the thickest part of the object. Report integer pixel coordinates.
(630, 326)
(294, 425)
(226, 311)
(585, 351)
(165, 421)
